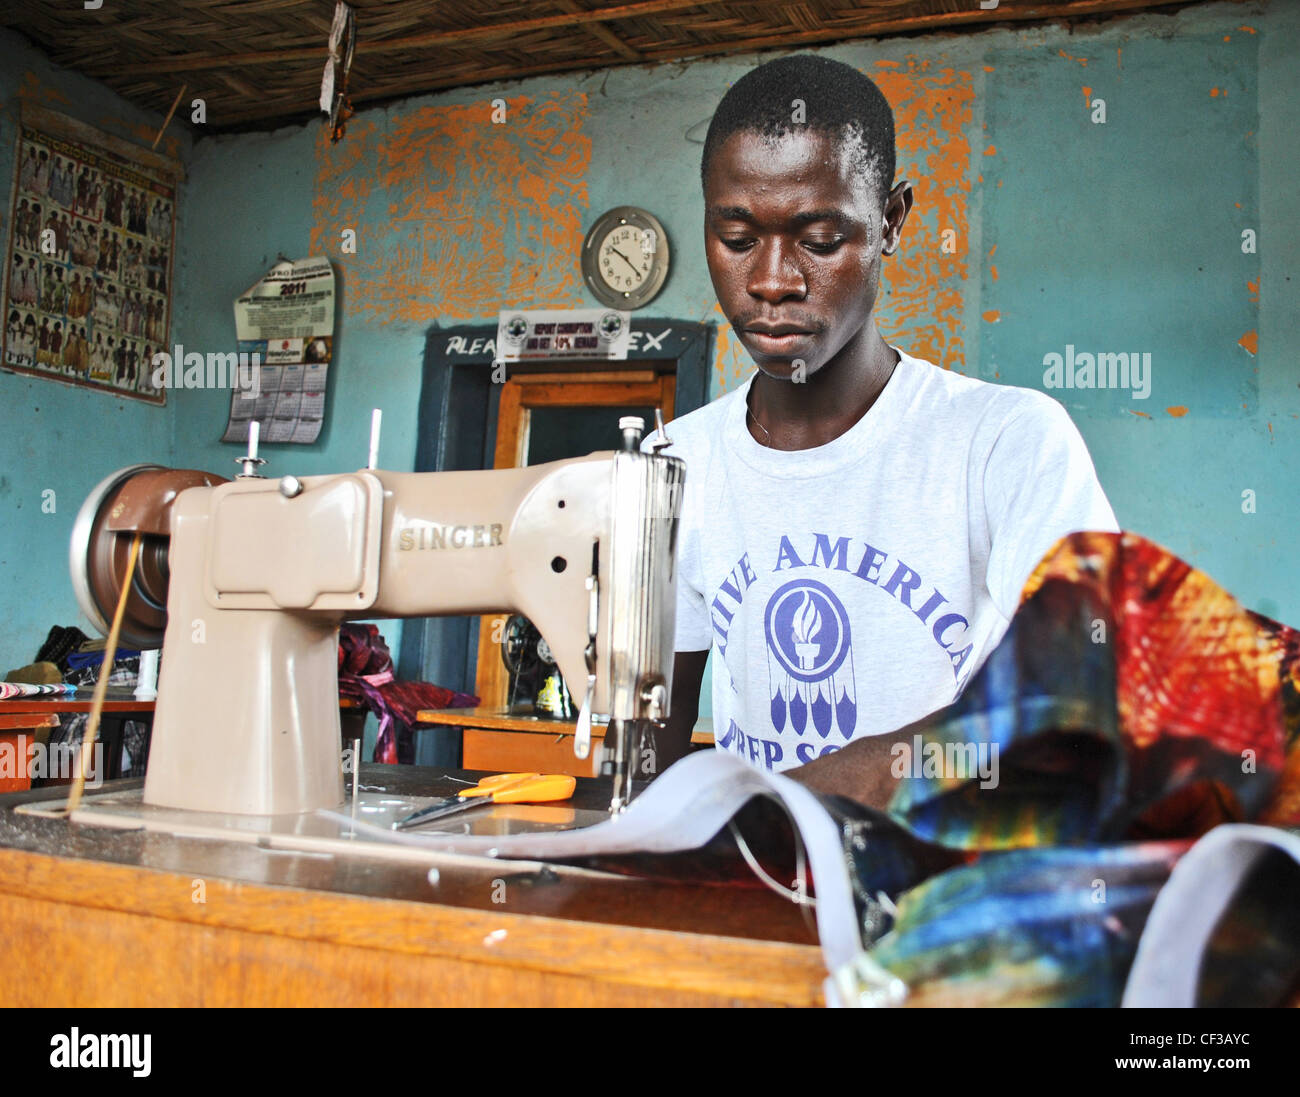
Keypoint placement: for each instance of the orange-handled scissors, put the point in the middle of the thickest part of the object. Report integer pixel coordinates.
(504, 788)
(498, 783)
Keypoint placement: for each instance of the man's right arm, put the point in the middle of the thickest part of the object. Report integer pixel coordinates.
(673, 741)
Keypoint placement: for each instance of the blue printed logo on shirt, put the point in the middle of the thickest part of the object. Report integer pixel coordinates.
(810, 659)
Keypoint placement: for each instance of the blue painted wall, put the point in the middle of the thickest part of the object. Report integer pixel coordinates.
(55, 436)
(1100, 231)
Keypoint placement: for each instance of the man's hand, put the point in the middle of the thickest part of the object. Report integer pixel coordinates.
(861, 771)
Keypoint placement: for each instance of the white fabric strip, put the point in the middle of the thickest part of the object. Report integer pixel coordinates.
(1203, 884)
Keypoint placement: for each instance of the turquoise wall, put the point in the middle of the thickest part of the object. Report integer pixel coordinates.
(55, 436)
(1115, 236)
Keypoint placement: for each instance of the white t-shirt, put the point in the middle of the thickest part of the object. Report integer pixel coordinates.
(850, 589)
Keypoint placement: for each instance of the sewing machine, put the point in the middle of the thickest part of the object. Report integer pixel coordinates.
(245, 582)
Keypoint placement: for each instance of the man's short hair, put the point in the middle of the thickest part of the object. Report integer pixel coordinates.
(834, 98)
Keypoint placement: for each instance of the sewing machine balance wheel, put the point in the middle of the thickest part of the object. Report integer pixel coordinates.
(135, 499)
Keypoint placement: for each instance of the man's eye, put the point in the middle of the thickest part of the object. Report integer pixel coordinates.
(823, 247)
(737, 243)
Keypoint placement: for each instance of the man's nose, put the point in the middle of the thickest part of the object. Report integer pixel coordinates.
(775, 275)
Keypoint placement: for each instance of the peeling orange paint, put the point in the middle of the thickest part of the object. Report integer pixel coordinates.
(1141, 413)
(454, 215)
(922, 285)
(988, 68)
(1177, 411)
(1254, 291)
(1119, 57)
(1082, 60)
(1270, 430)
(731, 365)
(1250, 341)
(993, 251)
(1087, 96)
(1215, 93)
(992, 316)
(994, 272)
(992, 150)
(1248, 30)
(1227, 38)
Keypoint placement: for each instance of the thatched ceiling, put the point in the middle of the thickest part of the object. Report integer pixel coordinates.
(258, 63)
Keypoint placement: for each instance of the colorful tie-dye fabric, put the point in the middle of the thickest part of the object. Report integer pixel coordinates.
(1133, 705)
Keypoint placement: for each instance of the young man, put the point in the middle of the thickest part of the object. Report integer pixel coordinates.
(857, 523)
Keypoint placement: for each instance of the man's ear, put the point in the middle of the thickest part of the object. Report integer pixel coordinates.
(897, 207)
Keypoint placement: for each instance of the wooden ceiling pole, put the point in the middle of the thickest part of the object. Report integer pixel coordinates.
(596, 30)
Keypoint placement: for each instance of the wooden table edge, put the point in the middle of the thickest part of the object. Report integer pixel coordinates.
(785, 973)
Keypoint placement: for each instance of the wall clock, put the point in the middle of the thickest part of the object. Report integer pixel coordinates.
(625, 257)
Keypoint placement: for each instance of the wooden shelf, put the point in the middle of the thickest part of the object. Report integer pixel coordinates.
(121, 700)
(498, 719)
(507, 740)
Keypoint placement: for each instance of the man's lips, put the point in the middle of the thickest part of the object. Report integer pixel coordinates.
(777, 329)
(777, 339)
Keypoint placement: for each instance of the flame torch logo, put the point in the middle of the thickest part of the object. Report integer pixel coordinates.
(807, 624)
(810, 659)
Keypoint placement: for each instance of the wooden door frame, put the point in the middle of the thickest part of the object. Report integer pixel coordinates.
(519, 395)
(568, 388)
(457, 428)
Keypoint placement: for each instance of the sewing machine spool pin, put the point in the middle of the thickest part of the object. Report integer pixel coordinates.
(250, 461)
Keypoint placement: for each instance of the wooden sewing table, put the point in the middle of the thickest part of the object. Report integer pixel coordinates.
(96, 917)
(120, 705)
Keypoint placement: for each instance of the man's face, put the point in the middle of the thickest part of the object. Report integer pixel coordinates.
(793, 239)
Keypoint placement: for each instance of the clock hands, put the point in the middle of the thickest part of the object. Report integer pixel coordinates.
(625, 259)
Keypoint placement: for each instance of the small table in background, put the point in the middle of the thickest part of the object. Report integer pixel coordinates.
(120, 705)
(508, 740)
(352, 719)
(17, 744)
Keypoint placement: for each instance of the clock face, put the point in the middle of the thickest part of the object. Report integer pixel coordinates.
(625, 258)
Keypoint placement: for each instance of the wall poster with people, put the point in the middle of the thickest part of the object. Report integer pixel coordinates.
(87, 287)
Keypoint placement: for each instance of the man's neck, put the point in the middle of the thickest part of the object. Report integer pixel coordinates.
(790, 415)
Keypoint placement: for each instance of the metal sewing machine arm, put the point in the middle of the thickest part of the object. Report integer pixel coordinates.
(258, 573)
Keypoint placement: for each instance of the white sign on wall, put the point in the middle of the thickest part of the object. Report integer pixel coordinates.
(547, 334)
